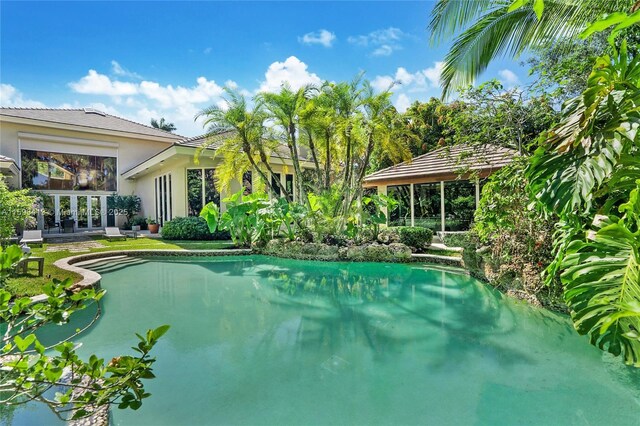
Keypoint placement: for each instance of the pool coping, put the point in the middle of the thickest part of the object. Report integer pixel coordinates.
(92, 279)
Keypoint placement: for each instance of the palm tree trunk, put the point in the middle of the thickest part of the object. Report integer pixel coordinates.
(363, 171)
(312, 148)
(265, 161)
(293, 147)
(327, 166)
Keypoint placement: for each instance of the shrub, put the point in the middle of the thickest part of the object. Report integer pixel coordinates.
(419, 238)
(139, 221)
(458, 239)
(190, 228)
(389, 235)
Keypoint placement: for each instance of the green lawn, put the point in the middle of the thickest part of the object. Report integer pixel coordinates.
(30, 284)
(450, 253)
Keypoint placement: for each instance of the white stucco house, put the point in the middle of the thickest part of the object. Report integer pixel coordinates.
(80, 157)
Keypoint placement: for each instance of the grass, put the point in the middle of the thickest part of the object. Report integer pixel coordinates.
(450, 253)
(30, 284)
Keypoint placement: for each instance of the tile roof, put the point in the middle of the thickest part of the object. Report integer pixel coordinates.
(89, 118)
(282, 151)
(447, 160)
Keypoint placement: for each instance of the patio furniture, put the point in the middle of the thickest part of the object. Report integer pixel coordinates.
(68, 225)
(32, 237)
(24, 264)
(113, 233)
(50, 226)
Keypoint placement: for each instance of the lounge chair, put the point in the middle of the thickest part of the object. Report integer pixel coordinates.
(32, 238)
(113, 233)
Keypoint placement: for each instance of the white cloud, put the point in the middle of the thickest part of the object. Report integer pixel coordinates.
(384, 42)
(292, 71)
(207, 50)
(410, 86)
(12, 97)
(121, 71)
(382, 82)
(384, 50)
(169, 96)
(433, 73)
(402, 102)
(99, 84)
(323, 37)
(405, 81)
(508, 77)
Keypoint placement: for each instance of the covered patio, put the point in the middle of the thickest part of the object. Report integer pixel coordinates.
(441, 189)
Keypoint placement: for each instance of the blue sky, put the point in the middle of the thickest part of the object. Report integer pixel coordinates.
(170, 59)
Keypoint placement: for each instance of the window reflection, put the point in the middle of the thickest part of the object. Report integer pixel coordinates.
(199, 191)
(58, 171)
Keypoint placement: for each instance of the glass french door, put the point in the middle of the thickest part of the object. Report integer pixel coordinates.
(163, 199)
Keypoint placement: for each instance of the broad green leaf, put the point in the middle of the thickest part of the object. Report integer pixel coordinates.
(538, 8)
(604, 23)
(517, 4)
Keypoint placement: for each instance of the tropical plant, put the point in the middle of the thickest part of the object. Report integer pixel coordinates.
(374, 207)
(30, 370)
(15, 208)
(242, 141)
(163, 125)
(126, 205)
(587, 173)
(285, 108)
(241, 218)
(488, 29)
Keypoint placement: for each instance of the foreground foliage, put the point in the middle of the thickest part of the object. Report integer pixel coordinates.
(55, 375)
(588, 173)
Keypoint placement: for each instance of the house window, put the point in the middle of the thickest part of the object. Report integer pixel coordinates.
(164, 202)
(459, 205)
(426, 204)
(201, 189)
(58, 171)
(275, 178)
(401, 215)
(289, 184)
(247, 182)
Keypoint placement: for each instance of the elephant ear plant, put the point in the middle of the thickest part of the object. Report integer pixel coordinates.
(241, 217)
(55, 375)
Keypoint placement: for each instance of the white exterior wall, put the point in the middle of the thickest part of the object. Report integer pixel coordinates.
(129, 151)
(177, 166)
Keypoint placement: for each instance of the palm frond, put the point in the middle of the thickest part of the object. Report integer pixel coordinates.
(488, 30)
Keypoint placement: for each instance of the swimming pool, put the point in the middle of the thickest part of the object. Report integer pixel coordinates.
(259, 340)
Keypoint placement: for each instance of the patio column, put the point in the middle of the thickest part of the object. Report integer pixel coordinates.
(413, 212)
(103, 210)
(442, 226)
(56, 208)
(89, 213)
(74, 209)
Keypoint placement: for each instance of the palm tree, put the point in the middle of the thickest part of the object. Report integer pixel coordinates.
(345, 99)
(243, 140)
(163, 125)
(488, 29)
(285, 108)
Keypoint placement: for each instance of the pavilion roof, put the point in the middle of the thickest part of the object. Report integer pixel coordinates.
(442, 164)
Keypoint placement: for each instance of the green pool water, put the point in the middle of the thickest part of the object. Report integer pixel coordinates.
(264, 341)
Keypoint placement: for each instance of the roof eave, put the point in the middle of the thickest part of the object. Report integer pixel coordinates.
(88, 129)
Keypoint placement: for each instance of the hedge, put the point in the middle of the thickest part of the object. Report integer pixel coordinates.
(190, 228)
(417, 237)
